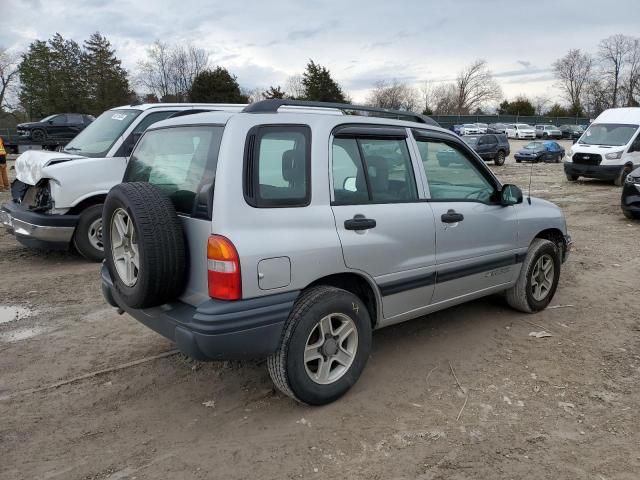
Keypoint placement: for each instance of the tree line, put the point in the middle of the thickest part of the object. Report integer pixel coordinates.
(60, 75)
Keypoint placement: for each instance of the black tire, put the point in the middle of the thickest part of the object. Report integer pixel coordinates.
(629, 215)
(620, 179)
(499, 158)
(38, 135)
(545, 135)
(520, 296)
(90, 227)
(287, 367)
(572, 178)
(518, 161)
(161, 274)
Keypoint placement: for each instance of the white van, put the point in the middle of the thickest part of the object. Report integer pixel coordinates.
(58, 196)
(609, 149)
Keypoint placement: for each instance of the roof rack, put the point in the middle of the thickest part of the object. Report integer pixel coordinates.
(272, 106)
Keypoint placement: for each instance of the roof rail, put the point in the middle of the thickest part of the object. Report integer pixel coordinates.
(272, 106)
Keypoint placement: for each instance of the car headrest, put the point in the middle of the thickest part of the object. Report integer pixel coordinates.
(293, 166)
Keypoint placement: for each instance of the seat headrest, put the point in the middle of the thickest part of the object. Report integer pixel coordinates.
(293, 165)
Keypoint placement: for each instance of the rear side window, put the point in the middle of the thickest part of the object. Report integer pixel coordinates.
(277, 166)
(180, 161)
(369, 170)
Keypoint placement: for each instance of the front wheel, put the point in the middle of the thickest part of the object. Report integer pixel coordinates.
(538, 279)
(620, 179)
(499, 160)
(88, 235)
(324, 347)
(572, 178)
(38, 135)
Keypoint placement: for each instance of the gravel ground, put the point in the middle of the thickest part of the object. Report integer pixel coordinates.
(561, 407)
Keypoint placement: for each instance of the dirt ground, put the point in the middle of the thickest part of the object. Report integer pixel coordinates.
(560, 407)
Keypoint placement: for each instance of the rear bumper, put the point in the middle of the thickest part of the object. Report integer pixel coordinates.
(601, 172)
(215, 329)
(38, 230)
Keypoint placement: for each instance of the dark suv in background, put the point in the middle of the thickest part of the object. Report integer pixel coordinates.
(490, 146)
(571, 132)
(61, 126)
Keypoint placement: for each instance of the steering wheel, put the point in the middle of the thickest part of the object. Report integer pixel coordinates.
(476, 194)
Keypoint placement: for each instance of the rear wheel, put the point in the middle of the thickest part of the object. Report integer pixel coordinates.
(88, 235)
(538, 279)
(499, 159)
(324, 348)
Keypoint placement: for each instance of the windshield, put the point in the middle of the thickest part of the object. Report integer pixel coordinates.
(97, 139)
(608, 134)
(180, 161)
(469, 125)
(46, 119)
(523, 126)
(533, 146)
(471, 141)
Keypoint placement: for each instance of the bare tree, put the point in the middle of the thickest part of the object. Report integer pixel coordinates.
(169, 71)
(294, 87)
(476, 86)
(596, 96)
(631, 81)
(573, 71)
(540, 104)
(394, 95)
(8, 73)
(426, 95)
(614, 52)
(253, 94)
(444, 99)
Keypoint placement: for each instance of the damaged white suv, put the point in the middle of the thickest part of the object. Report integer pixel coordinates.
(58, 196)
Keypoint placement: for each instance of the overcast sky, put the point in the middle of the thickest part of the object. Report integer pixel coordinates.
(360, 41)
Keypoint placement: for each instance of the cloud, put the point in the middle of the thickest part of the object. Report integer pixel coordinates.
(524, 63)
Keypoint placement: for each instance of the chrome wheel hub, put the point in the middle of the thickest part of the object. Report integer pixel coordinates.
(124, 247)
(331, 348)
(542, 277)
(95, 234)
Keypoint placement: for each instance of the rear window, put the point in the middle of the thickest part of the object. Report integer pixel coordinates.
(181, 161)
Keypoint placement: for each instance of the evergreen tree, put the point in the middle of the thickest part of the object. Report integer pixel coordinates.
(69, 83)
(216, 86)
(520, 106)
(319, 86)
(36, 78)
(273, 92)
(107, 82)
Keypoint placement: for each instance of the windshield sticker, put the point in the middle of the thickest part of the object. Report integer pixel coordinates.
(119, 116)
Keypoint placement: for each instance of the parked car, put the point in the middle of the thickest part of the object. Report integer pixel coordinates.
(482, 127)
(255, 265)
(548, 131)
(490, 147)
(520, 131)
(497, 128)
(547, 151)
(469, 129)
(58, 196)
(61, 126)
(630, 200)
(609, 149)
(571, 132)
(457, 129)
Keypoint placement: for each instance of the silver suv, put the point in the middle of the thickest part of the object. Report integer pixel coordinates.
(292, 230)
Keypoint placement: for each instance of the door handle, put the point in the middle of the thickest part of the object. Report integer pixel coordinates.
(452, 217)
(359, 222)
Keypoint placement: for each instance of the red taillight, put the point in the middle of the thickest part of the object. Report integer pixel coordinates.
(225, 282)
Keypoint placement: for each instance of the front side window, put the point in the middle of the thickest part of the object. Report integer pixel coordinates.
(372, 171)
(277, 166)
(180, 161)
(452, 175)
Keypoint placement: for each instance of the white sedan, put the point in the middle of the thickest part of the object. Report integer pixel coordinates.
(521, 130)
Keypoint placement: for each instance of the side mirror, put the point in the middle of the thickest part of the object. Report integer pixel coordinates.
(50, 122)
(350, 184)
(510, 195)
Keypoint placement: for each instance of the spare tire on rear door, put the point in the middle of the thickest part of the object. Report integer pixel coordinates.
(143, 244)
